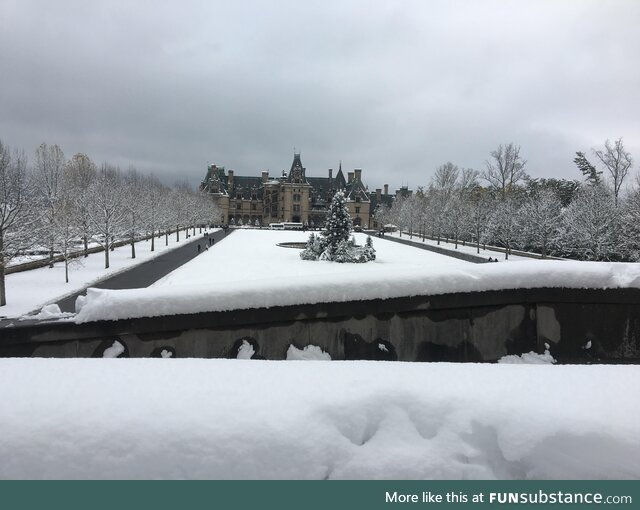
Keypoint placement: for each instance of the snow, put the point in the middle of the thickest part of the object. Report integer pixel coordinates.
(232, 419)
(531, 358)
(248, 270)
(114, 351)
(308, 353)
(51, 312)
(30, 290)
(246, 350)
(469, 248)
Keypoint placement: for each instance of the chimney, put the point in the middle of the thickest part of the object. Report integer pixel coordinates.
(330, 173)
(265, 176)
(358, 174)
(230, 179)
(378, 194)
(350, 177)
(386, 189)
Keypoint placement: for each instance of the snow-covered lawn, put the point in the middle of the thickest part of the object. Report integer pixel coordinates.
(154, 418)
(30, 290)
(248, 270)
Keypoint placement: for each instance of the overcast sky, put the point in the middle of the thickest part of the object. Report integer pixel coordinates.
(395, 88)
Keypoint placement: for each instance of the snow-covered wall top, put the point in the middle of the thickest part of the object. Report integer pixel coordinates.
(344, 286)
(126, 418)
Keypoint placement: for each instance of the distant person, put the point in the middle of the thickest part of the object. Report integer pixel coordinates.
(199, 248)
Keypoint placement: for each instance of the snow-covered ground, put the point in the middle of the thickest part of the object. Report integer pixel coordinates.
(174, 418)
(248, 270)
(469, 249)
(30, 290)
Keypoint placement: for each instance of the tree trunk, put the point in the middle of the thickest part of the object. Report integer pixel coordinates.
(153, 239)
(51, 256)
(133, 246)
(86, 246)
(106, 255)
(66, 268)
(166, 237)
(177, 233)
(3, 296)
(506, 252)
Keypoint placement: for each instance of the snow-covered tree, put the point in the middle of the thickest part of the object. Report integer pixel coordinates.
(539, 220)
(79, 173)
(48, 181)
(16, 213)
(591, 175)
(133, 189)
(479, 204)
(503, 223)
(631, 224)
(590, 225)
(339, 225)
(334, 242)
(106, 207)
(66, 227)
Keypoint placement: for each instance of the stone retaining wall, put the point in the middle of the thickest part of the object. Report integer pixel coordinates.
(578, 324)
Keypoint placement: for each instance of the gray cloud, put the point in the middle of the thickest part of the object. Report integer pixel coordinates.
(395, 88)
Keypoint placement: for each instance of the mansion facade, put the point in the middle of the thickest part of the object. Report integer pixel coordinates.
(291, 197)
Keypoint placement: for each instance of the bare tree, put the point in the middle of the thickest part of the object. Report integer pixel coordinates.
(133, 206)
(106, 209)
(48, 180)
(16, 218)
(617, 161)
(505, 169)
(80, 172)
(66, 228)
(154, 215)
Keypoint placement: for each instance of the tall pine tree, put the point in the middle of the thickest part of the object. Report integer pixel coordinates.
(588, 170)
(338, 226)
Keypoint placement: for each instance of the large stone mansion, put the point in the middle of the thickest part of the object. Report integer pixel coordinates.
(291, 197)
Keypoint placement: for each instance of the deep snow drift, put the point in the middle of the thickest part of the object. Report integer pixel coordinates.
(156, 418)
(248, 270)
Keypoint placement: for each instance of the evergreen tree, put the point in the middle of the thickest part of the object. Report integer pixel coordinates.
(588, 170)
(338, 226)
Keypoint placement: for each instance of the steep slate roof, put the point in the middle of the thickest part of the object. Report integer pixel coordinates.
(245, 185)
(296, 165)
(340, 182)
(215, 173)
(386, 200)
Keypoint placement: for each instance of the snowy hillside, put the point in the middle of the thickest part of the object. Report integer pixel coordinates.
(144, 418)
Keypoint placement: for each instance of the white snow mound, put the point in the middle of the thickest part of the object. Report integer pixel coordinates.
(228, 419)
